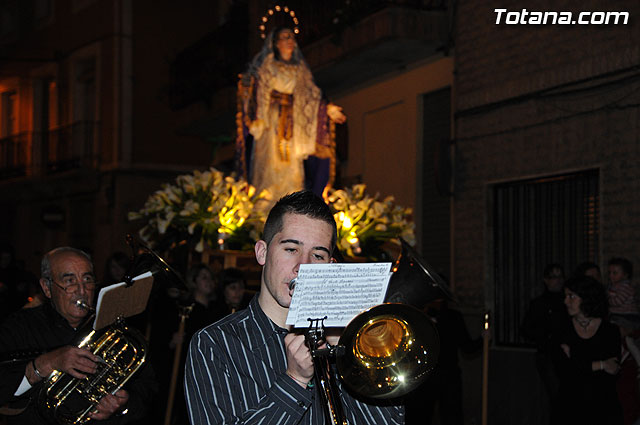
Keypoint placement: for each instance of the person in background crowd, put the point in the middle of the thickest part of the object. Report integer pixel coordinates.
(622, 292)
(588, 268)
(115, 268)
(207, 305)
(234, 292)
(202, 306)
(546, 313)
(588, 365)
(625, 313)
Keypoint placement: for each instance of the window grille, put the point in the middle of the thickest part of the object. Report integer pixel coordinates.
(537, 222)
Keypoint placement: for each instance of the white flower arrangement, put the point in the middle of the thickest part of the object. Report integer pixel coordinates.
(207, 207)
(365, 222)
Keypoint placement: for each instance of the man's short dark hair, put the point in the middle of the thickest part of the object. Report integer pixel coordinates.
(304, 203)
(624, 264)
(594, 296)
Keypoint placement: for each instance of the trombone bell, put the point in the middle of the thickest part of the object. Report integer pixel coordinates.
(390, 349)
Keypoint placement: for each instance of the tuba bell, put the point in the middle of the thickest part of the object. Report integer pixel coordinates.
(70, 400)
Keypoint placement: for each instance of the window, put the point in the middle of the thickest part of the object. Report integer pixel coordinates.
(538, 222)
(73, 146)
(85, 108)
(73, 122)
(12, 144)
(42, 9)
(9, 117)
(8, 19)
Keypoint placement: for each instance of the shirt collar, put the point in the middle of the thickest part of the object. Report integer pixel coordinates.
(265, 325)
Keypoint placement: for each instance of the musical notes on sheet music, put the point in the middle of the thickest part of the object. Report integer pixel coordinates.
(339, 291)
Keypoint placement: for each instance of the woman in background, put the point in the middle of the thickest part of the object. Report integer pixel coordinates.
(207, 307)
(589, 364)
(201, 307)
(234, 292)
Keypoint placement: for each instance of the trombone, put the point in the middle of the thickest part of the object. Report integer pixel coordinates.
(384, 352)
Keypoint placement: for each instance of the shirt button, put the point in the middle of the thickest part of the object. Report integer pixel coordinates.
(301, 404)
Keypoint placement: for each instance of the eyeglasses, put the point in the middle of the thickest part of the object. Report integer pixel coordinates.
(71, 284)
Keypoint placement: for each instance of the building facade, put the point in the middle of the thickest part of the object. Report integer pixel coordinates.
(546, 140)
(515, 143)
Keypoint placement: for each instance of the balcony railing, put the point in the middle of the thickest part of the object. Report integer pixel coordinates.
(65, 148)
(332, 17)
(72, 146)
(13, 156)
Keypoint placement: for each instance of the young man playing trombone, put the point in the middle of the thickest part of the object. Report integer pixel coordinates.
(248, 367)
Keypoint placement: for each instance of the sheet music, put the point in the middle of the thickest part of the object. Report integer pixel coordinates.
(339, 291)
(118, 300)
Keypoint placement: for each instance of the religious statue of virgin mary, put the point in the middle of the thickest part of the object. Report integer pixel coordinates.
(285, 137)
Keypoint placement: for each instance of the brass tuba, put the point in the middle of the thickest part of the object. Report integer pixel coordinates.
(70, 400)
(122, 350)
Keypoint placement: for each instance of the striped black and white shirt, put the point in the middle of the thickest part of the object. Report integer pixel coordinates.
(235, 374)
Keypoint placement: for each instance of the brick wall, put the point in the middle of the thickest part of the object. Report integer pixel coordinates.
(544, 100)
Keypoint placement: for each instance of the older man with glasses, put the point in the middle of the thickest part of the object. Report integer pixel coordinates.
(39, 340)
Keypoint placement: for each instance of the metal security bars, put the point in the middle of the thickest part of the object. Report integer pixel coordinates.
(537, 222)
